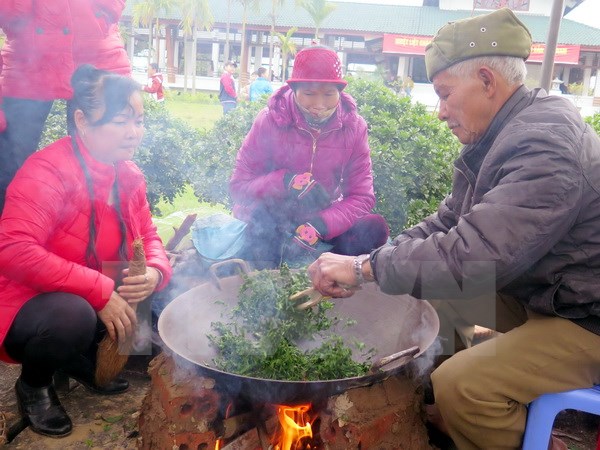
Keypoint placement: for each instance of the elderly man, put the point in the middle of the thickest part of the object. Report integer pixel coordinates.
(524, 212)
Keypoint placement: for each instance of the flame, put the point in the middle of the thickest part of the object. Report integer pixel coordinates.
(227, 412)
(295, 425)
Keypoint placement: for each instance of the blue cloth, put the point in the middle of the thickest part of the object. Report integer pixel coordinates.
(260, 87)
(218, 236)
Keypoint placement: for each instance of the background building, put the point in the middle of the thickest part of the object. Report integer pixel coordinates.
(371, 39)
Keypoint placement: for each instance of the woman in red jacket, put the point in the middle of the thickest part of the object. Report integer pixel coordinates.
(302, 179)
(71, 214)
(45, 42)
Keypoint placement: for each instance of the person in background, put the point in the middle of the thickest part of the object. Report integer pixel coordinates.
(261, 86)
(71, 214)
(302, 178)
(522, 222)
(227, 92)
(245, 90)
(408, 85)
(45, 43)
(155, 83)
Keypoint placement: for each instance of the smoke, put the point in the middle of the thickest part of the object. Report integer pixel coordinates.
(422, 366)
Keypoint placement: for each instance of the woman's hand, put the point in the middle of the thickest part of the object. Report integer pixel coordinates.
(333, 275)
(119, 318)
(138, 288)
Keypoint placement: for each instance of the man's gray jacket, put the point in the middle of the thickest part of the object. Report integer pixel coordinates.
(524, 211)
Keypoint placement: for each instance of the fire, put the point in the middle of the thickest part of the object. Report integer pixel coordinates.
(295, 425)
(227, 412)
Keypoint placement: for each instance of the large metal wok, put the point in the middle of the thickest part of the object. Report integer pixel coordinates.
(386, 323)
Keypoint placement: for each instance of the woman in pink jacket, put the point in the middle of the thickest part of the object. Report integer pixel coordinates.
(45, 42)
(72, 212)
(302, 179)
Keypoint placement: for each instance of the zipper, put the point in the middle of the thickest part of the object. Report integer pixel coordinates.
(314, 143)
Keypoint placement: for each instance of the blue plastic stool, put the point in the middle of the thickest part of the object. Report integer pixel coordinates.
(543, 411)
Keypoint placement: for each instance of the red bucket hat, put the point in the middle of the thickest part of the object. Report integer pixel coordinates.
(317, 65)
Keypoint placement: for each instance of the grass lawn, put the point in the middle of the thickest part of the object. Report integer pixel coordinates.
(198, 115)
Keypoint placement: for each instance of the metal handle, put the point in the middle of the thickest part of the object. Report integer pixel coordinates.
(394, 357)
(241, 264)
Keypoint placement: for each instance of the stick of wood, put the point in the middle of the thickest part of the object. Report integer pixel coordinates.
(180, 232)
(111, 357)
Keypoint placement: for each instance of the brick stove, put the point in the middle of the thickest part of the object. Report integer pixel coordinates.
(186, 411)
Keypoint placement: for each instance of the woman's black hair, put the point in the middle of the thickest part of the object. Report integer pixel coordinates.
(96, 90)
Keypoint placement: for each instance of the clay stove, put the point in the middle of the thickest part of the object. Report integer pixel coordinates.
(186, 411)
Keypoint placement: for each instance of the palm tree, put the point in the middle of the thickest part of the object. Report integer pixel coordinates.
(288, 47)
(275, 5)
(318, 10)
(196, 14)
(255, 4)
(226, 52)
(145, 12)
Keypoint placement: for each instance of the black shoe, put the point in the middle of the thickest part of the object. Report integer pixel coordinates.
(83, 372)
(42, 409)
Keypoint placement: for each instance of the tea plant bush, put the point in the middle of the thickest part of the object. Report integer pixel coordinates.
(217, 149)
(412, 153)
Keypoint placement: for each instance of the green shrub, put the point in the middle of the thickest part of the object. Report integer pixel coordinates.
(412, 154)
(166, 155)
(217, 150)
(594, 121)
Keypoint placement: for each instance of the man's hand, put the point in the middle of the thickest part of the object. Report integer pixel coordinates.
(333, 275)
(119, 318)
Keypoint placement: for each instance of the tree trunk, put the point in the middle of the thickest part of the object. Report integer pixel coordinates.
(150, 41)
(244, 51)
(157, 34)
(272, 39)
(194, 59)
(186, 62)
(226, 50)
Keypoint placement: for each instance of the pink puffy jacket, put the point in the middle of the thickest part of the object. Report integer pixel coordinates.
(280, 142)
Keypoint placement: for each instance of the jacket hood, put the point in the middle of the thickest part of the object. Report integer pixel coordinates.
(283, 110)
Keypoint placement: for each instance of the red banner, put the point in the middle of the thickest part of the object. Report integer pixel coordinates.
(565, 54)
(405, 43)
(408, 44)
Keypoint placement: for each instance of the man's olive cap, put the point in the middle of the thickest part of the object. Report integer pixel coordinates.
(499, 33)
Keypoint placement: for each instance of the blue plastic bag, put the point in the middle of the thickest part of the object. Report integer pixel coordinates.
(218, 237)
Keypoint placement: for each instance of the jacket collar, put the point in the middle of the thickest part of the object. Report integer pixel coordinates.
(473, 154)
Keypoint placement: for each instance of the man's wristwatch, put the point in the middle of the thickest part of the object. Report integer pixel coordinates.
(359, 272)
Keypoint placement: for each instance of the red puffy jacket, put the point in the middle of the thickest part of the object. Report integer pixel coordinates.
(44, 230)
(47, 40)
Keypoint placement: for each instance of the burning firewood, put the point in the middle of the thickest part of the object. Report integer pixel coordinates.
(112, 357)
